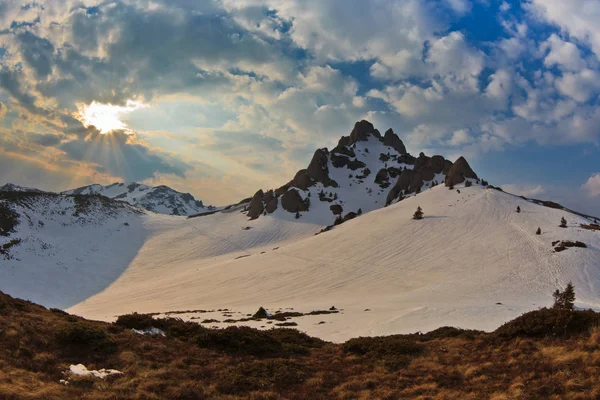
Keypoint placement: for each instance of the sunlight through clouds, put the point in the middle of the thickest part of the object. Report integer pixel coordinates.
(106, 117)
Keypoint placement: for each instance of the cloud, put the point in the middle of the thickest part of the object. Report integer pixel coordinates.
(530, 191)
(2, 110)
(592, 186)
(578, 18)
(122, 154)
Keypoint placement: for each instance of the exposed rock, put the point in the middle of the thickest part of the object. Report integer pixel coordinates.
(336, 209)
(291, 201)
(256, 207)
(458, 172)
(361, 131)
(270, 202)
(382, 176)
(392, 140)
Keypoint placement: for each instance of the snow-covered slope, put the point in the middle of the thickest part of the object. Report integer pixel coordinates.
(472, 262)
(58, 250)
(160, 199)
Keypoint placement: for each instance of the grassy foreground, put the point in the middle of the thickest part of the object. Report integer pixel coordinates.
(544, 354)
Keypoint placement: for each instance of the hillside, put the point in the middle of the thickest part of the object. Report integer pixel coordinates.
(59, 249)
(49, 354)
(472, 262)
(160, 199)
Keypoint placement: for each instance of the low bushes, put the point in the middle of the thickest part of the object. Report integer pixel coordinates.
(81, 336)
(549, 322)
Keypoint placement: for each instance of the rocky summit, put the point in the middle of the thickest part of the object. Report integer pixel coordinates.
(365, 171)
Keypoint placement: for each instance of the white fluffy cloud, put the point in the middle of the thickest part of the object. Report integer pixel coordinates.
(578, 18)
(592, 186)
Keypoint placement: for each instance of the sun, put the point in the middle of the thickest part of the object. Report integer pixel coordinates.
(105, 117)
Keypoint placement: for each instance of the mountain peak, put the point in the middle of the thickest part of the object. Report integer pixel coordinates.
(365, 171)
(161, 199)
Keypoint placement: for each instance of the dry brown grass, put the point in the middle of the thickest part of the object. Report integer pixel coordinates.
(37, 345)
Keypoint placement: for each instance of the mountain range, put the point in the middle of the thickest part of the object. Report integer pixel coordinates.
(340, 234)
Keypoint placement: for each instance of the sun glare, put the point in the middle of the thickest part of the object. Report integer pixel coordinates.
(105, 117)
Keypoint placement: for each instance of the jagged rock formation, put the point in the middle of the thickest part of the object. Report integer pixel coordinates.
(161, 199)
(365, 170)
(459, 171)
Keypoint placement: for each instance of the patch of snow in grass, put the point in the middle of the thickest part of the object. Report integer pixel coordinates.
(81, 370)
(149, 331)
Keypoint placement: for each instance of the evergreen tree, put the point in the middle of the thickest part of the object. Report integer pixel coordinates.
(569, 296)
(418, 214)
(563, 222)
(564, 300)
(539, 231)
(558, 298)
(518, 209)
(359, 212)
(297, 214)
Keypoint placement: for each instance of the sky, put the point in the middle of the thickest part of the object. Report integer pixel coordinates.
(221, 98)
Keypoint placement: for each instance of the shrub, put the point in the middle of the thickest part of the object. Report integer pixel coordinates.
(260, 376)
(136, 321)
(81, 336)
(549, 321)
(518, 209)
(239, 340)
(563, 222)
(395, 345)
(539, 231)
(468, 184)
(418, 214)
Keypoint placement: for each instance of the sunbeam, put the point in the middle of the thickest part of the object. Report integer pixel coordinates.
(105, 117)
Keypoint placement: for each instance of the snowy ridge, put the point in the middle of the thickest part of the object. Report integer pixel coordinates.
(160, 199)
(59, 249)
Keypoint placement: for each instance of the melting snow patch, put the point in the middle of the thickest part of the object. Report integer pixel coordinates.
(149, 331)
(81, 370)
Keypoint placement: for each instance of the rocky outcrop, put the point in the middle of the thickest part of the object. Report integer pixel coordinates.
(392, 140)
(382, 176)
(256, 206)
(351, 164)
(336, 209)
(270, 201)
(291, 201)
(458, 172)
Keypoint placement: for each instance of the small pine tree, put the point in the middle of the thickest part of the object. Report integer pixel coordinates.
(359, 212)
(539, 231)
(563, 222)
(418, 214)
(297, 214)
(518, 209)
(569, 296)
(557, 298)
(564, 300)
